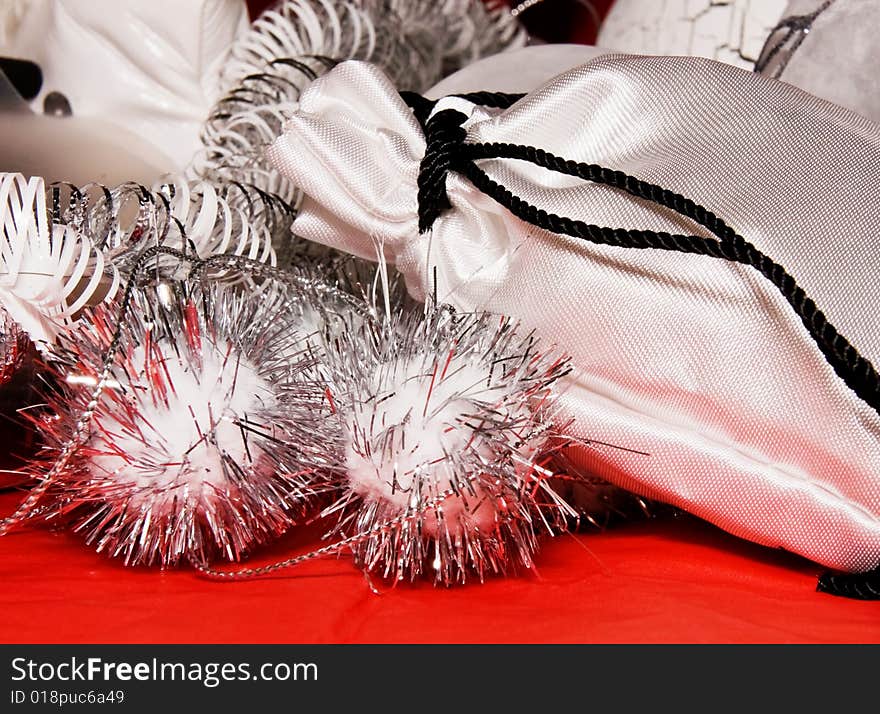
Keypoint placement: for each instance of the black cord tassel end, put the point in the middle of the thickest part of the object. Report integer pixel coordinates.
(856, 586)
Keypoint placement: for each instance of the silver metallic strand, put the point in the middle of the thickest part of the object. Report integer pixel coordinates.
(336, 548)
(82, 427)
(415, 40)
(13, 347)
(471, 29)
(68, 248)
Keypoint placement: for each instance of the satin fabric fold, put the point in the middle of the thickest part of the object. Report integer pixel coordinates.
(697, 362)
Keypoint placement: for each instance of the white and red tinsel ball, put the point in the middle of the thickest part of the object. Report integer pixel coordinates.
(203, 444)
(446, 428)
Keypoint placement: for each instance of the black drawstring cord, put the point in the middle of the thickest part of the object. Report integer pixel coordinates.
(447, 151)
(422, 106)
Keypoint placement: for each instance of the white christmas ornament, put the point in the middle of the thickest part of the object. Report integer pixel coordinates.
(138, 78)
(731, 31)
(202, 443)
(829, 48)
(447, 429)
(190, 436)
(420, 417)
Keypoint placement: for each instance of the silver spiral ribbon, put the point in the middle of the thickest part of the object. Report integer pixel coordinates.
(415, 43)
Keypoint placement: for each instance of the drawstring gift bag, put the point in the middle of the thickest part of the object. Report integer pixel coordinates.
(702, 242)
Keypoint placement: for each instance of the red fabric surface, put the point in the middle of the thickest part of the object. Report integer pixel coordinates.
(674, 580)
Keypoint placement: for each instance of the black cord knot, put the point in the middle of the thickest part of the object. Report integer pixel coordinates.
(444, 136)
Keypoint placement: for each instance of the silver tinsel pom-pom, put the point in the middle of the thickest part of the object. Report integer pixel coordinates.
(446, 427)
(203, 444)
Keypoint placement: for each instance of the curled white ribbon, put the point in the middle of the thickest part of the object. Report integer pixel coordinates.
(48, 272)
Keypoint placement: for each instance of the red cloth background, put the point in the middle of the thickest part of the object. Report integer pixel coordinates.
(673, 580)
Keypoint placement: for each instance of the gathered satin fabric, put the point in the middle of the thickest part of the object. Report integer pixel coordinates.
(695, 361)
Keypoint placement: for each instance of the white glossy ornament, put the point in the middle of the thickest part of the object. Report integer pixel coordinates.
(731, 31)
(139, 77)
(833, 53)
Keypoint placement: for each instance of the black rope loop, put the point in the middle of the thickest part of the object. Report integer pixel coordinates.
(447, 151)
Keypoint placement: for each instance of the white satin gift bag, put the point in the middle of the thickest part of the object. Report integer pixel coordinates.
(698, 362)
